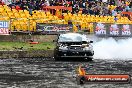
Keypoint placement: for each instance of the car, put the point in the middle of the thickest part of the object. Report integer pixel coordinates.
(73, 45)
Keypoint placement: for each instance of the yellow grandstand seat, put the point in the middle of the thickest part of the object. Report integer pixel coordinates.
(48, 13)
(8, 10)
(2, 10)
(25, 20)
(12, 27)
(20, 11)
(23, 15)
(1, 18)
(1, 6)
(26, 11)
(13, 23)
(27, 15)
(69, 14)
(83, 25)
(18, 27)
(14, 11)
(11, 15)
(17, 15)
(75, 28)
(55, 18)
(31, 28)
(24, 27)
(6, 18)
(4, 14)
(5, 6)
(79, 15)
(64, 14)
(39, 15)
(34, 16)
(43, 14)
(66, 18)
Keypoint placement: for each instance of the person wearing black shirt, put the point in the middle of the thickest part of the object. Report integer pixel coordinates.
(27, 6)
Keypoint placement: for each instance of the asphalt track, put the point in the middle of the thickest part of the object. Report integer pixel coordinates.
(47, 73)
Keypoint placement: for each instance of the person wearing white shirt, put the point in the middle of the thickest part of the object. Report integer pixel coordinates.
(7, 2)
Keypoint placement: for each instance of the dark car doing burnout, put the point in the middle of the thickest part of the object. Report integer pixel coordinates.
(73, 45)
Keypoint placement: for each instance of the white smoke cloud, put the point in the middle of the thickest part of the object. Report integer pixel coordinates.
(113, 49)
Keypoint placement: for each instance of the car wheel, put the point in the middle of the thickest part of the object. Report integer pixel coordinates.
(57, 58)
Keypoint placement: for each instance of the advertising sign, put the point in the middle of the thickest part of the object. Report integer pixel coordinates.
(4, 28)
(113, 30)
(100, 29)
(126, 30)
(54, 28)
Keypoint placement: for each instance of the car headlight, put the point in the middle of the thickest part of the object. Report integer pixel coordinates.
(63, 48)
(86, 48)
(84, 45)
(90, 47)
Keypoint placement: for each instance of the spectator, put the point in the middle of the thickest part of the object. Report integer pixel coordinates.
(14, 4)
(1, 2)
(115, 19)
(7, 2)
(92, 7)
(114, 12)
(26, 5)
(18, 2)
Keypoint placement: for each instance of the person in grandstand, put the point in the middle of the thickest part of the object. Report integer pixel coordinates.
(27, 6)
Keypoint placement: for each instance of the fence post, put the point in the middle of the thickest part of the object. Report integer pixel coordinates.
(10, 24)
(28, 24)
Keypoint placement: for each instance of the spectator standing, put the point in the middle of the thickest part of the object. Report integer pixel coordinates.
(27, 6)
(1, 2)
(7, 2)
(18, 2)
(114, 12)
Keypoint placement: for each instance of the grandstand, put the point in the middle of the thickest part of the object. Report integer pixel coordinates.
(22, 20)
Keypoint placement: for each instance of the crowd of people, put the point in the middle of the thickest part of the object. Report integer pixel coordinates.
(25, 4)
(30, 4)
(93, 7)
(96, 7)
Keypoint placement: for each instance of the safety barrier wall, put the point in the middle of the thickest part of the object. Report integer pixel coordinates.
(53, 27)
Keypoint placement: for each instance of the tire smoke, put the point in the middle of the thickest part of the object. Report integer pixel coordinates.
(111, 48)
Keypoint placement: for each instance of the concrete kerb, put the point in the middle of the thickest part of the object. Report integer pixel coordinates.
(25, 54)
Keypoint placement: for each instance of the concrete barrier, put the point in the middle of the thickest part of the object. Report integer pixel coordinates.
(25, 38)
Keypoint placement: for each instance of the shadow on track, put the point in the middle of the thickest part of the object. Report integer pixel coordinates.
(44, 60)
(76, 59)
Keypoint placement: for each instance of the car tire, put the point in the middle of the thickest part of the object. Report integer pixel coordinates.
(90, 58)
(57, 58)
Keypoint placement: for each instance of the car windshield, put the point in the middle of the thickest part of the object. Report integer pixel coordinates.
(72, 37)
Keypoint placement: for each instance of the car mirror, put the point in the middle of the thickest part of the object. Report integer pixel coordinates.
(91, 41)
